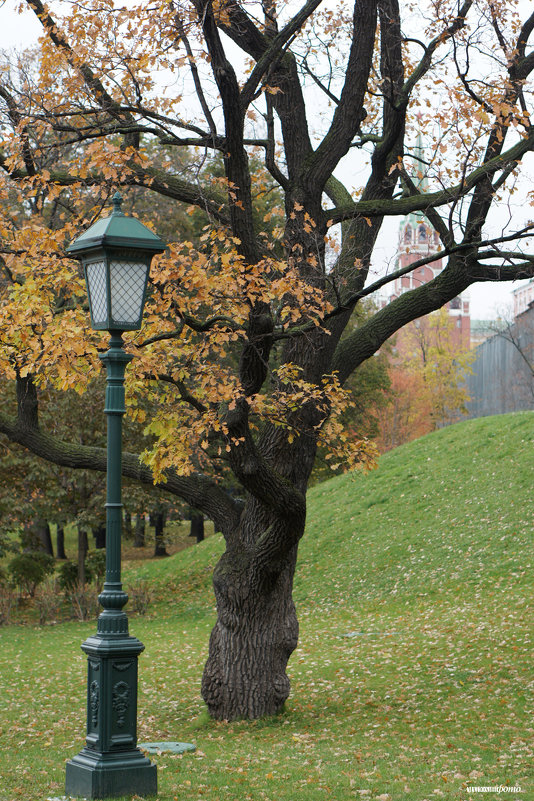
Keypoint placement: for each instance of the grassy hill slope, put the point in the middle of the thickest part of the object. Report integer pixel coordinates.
(452, 508)
(413, 675)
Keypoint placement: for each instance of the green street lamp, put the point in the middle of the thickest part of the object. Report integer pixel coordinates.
(115, 253)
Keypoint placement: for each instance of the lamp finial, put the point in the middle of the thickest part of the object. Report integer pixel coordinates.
(117, 203)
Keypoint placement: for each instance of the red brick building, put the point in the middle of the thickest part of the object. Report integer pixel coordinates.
(417, 240)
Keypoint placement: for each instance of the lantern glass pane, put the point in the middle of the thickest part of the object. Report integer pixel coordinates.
(127, 281)
(96, 283)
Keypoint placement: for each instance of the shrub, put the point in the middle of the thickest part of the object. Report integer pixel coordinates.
(48, 600)
(95, 568)
(29, 569)
(68, 576)
(7, 602)
(84, 600)
(140, 595)
(7, 598)
(95, 565)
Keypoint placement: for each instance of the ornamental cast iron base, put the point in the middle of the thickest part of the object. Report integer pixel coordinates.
(110, 764)
(92, 775)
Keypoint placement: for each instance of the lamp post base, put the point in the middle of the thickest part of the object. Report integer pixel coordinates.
(94, 775)
(110, 764)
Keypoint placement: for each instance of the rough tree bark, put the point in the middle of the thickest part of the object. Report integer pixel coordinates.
(197, 525)
(43, 537)
(255, 634)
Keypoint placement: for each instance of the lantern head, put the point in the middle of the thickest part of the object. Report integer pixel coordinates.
(116, 253)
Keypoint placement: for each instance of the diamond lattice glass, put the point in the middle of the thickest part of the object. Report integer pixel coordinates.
(96, 283)
(127, 280)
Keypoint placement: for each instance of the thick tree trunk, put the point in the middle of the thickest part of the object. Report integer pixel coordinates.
(127, 527)
(255, 634)
(99, 533)
(140, 526)
(157, 519)
(83, 547)
(60, 542)
(43, 537)
(197, 525)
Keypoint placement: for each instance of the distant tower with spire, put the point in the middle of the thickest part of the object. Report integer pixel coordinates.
(417, 240)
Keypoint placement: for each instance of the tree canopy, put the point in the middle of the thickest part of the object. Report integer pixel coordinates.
(241, 364)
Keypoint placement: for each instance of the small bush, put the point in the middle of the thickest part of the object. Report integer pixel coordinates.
(48, 600)
(140, 595)
(7, 598)
(30, 569)
(7, 602)
(84, 600)
(95, 565)
(67, 576)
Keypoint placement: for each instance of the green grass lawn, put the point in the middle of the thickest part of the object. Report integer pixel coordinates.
(413, 676)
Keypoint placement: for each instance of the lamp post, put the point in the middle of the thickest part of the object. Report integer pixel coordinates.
(116, 253)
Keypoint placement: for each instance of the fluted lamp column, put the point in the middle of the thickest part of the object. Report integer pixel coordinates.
(115, 252)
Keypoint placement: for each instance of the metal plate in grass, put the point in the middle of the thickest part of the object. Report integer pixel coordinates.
(167, 747)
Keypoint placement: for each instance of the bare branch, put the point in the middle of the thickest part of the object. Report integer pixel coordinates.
(196, 79)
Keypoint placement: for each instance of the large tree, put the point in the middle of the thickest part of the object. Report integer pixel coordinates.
(242, 363)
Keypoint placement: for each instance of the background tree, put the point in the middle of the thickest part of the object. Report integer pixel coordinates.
(428, 380)
(241, 364)
(407, 414)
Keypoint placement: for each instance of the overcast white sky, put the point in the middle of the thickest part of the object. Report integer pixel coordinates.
(487, 300)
